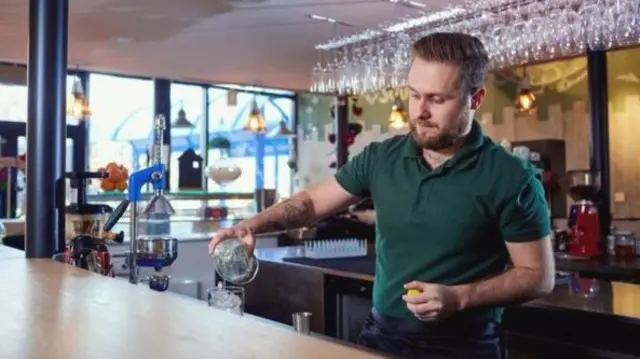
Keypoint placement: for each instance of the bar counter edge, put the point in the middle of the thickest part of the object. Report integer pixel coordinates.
(67, 288)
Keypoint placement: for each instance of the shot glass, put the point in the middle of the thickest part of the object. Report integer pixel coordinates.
(61, 257)
(302, 322)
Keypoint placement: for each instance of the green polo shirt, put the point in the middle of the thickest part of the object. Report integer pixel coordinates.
(446, 225)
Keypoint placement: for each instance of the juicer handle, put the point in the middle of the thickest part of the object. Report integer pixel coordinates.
(86, 175)
(78, 181)
(115, 215)
(119, 238)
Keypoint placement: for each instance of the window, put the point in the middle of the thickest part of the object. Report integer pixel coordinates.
(228, 121)
(14, 108)
(13, 100)
(21, 198)
(120, 128)
(13, 103)
(191, 99)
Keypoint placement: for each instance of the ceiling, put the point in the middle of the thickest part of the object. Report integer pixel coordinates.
(257, 42)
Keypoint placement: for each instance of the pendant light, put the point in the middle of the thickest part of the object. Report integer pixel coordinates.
(77, 103)
(182, 121)
(255, 122)
(525, 99)
(398, 118)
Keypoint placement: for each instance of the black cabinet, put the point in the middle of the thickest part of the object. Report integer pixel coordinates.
(545, 332)
(347, 303)
(280, 290)
(529, 332)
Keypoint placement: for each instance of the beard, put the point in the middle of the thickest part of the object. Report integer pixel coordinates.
(444, 137)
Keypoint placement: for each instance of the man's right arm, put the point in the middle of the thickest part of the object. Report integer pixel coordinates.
(304, 208)
(350, 184)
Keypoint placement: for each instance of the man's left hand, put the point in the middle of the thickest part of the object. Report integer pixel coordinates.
(434, 301)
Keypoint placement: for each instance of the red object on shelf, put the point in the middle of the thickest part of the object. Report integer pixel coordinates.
(3, 179)
(216, 212)
(625, 251)
(357, 111)
(354, 129)
(550, 180)
(349, 140)
(584, 222)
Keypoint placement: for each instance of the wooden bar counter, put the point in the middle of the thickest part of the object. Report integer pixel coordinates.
(54, 311)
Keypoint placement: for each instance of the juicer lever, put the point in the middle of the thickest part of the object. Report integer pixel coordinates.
(115, 216)
(119, 238)
(78, 181)
(86, 175)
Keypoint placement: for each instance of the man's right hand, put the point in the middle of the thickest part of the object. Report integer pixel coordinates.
(302, 209)
(239, 231)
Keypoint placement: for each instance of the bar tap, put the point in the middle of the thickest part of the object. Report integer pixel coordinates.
(156, 249)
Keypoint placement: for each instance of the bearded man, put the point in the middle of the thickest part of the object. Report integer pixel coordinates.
(462, 226)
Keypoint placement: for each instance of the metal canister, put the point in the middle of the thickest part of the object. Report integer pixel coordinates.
(232, 262)
(560, 240)
(611, 241)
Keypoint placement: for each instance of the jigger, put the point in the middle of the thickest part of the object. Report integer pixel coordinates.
(302, 322)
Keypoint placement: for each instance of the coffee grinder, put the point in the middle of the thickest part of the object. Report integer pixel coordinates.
(584, 218)
(87, 227)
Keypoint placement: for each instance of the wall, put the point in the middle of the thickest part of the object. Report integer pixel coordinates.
(563, 113)
(562, 98)
(315, 153)
(13, 74)
(624, 124)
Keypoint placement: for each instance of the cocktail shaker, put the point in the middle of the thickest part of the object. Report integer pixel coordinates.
(233, 263)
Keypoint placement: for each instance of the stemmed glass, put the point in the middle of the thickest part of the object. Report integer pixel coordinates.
(513, 35)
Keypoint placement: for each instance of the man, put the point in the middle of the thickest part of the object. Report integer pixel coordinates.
(453, 210)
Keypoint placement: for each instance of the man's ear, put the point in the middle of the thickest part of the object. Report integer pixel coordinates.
(478, 97)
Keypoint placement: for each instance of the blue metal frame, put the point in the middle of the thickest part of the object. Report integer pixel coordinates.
(139, 178)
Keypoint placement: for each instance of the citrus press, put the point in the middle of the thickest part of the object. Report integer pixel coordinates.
(157, 249)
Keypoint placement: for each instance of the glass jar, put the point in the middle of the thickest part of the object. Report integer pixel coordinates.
(224, 171)
(625, 247)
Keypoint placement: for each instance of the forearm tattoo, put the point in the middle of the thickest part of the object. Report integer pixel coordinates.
(295, 212)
